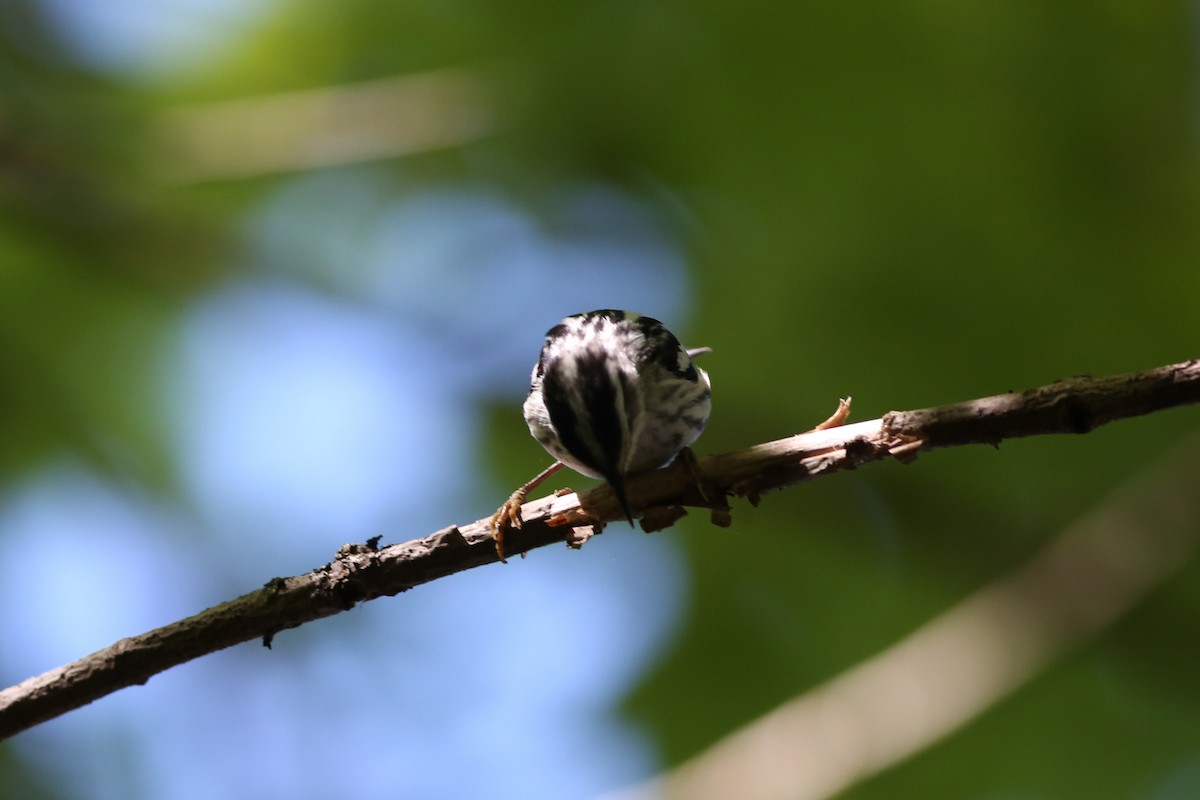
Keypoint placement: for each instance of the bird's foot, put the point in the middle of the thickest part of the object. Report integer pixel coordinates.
(508, 515)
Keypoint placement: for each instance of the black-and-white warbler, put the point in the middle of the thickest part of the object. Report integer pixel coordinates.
(612, 394)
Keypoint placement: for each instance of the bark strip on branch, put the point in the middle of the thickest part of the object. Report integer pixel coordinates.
(363, 572)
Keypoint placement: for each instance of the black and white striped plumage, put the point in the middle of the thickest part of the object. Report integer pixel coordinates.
(613, 394)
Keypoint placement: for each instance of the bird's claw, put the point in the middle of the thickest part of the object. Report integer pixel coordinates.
(507, 516)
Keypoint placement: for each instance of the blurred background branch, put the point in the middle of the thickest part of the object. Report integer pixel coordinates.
(314, 128)
(953, 668)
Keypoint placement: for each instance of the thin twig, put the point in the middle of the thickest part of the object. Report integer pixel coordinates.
(364, 572)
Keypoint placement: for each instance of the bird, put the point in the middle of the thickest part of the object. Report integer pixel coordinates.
(612, 394)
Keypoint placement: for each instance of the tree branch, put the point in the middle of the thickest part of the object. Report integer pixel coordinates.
(364, 572)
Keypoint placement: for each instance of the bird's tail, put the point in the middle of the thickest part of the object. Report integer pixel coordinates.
(617, 482)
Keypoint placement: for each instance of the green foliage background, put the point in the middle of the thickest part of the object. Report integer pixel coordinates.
(911, 203)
